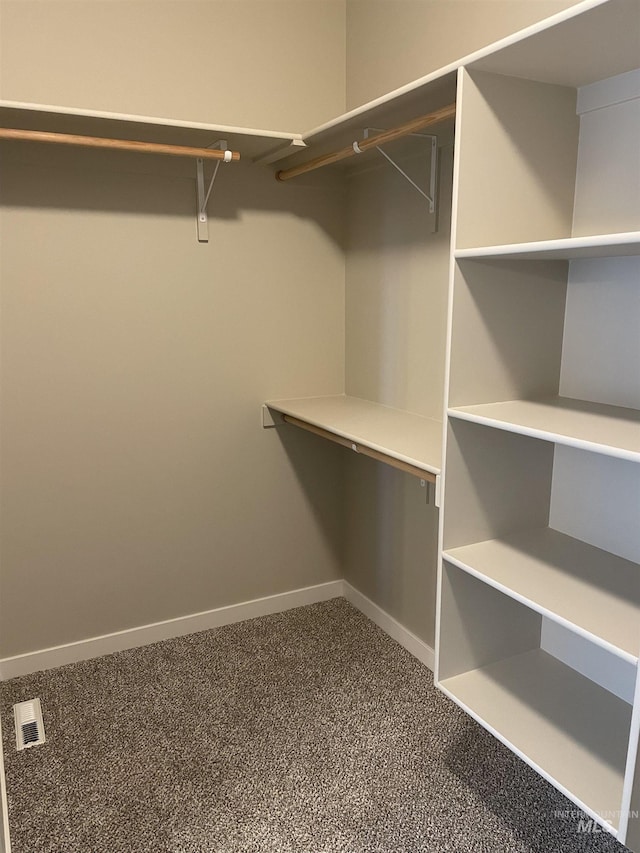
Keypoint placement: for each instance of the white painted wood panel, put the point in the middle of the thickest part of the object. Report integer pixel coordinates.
(609, 91)
(597, 499)
(601, 344)
(497, 482)
(616, 675)
(608, 172)
(518, 148)
(497, 349)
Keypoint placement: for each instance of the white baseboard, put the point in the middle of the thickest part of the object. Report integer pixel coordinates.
(417, 647)
(167, 630)
(146, 634)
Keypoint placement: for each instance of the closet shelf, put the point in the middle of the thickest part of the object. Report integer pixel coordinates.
(560, 49)
(432, 94)
(371, 142)
(612, 430)
(591, 591)
(393, 436)
(596, 246)
(250, 142)
(569, 729)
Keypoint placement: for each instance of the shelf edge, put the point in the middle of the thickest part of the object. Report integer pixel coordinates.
(628, 657)
(545, 435)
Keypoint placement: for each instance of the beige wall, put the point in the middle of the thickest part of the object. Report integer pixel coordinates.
(392, 42)
(397, 274)
(396, 301)
(137, 482)
(273, 64)
(392, 543)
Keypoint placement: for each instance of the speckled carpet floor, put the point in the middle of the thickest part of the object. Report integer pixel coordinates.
(306, 732)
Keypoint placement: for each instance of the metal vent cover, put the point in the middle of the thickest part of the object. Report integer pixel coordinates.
(29, 725)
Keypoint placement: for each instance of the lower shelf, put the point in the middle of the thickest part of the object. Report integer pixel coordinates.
(612, 430)
(572, 731)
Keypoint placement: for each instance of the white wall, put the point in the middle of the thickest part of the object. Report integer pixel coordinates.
(607, 196)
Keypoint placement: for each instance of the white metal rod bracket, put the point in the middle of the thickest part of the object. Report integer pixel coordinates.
(203, 197)
(433, 169)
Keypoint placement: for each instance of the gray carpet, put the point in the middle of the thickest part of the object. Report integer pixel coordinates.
(306, 732)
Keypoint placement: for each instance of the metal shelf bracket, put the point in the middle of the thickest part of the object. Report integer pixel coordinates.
(430, 196)
(202, 219)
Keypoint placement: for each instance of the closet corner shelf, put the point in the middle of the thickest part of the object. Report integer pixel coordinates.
(402, 439)
(250, 142)
(611, 430)
(530, 702)
(559, 49)
(570, 248)
(592, 592)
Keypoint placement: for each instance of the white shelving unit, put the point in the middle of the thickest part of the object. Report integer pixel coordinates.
(539, 588)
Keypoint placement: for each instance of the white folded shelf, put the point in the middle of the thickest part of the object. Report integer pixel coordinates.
(612, 430)
(622, 244)
(591, 591)
(400, 436)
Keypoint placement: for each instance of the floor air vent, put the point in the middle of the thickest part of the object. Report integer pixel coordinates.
(29, 725)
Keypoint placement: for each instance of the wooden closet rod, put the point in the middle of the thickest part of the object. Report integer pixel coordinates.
(379, 139)
(119, 144)
(362, 449)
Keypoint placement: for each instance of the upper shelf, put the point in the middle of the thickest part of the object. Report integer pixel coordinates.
(410, 439)
(567, 48)
(570, 248)
(612, 430)
(250, 142)
(558, 49)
